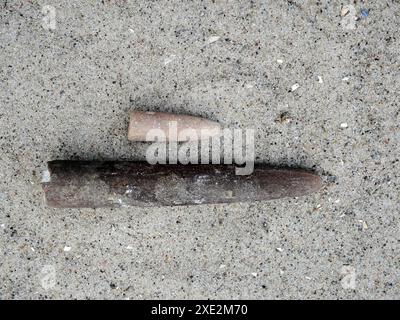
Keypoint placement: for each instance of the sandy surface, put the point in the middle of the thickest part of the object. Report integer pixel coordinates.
(65, 92)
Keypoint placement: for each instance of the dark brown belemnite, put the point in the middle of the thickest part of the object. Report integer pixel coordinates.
(95, 184)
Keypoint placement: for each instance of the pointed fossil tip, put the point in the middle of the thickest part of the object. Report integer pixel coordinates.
(313, 182)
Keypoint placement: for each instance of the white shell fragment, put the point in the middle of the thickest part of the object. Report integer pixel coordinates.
(295, 87)
(213, 39)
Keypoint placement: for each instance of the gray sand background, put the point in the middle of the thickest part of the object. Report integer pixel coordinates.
(66, 90)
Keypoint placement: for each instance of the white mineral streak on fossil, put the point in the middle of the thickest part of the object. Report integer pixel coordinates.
(46, 176)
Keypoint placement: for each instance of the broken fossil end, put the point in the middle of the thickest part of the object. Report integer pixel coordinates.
(144, 125)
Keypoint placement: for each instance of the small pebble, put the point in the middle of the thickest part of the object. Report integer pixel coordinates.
(364, 13)
(168, 60)
(317, 207)
(129, 247)
(345, 79)
(295, 87)
(213, 39)
(363, 224)
(344, 125)
(280, 61)
(345, 10)
(279, 249)
(284, 117)
(254, 274)
(320, 80)
(222, 266)
(67, 249)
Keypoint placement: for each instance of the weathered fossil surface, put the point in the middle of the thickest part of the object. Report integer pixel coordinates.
(142, 122)
(78, 184)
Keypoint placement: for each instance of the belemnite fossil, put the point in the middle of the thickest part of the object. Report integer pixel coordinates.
(142, 124)
(97, 184)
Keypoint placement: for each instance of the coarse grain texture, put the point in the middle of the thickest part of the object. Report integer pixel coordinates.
(66, 93)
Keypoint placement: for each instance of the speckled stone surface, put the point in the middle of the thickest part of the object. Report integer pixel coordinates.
(66, 90)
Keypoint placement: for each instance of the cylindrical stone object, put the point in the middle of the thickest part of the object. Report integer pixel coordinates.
(170, 127)
(95, 184)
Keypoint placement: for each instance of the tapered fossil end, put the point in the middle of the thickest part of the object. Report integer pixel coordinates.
(150, 126)
(305, 182)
